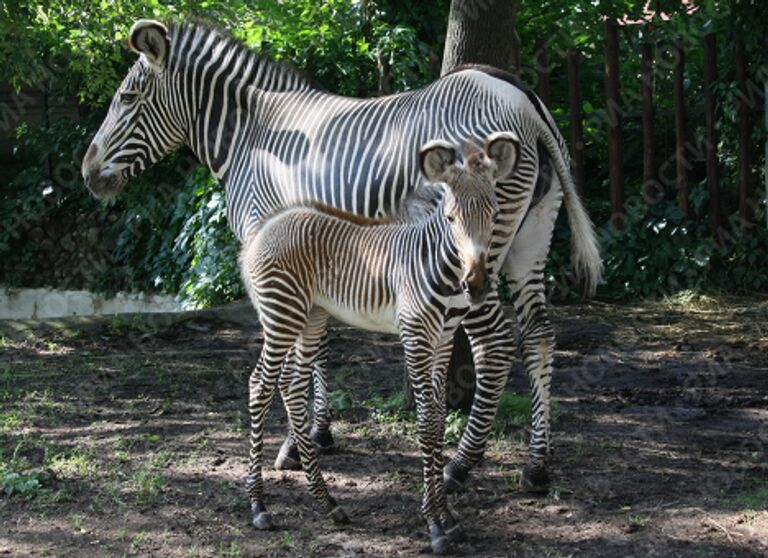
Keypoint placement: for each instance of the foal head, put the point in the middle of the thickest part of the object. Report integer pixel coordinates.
(470, 206)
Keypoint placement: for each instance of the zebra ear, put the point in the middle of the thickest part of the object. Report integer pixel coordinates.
(150, 38)
(503, 149)
(438, 160)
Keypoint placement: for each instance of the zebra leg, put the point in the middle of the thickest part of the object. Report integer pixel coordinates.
(524, 267)
(321, 424)
(261, 392)
(288, 456)
(295, 392)
(493, 347)
(439, 373)
(419, 359)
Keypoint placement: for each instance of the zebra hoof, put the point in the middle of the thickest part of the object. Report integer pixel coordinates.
(322, 439)
(535, 479)
(338, 515)
(438, 540)
(288, 457)
(260, 517)
(454, 476)
(452, 529)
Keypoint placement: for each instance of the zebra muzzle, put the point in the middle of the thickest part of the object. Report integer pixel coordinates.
(476, 284)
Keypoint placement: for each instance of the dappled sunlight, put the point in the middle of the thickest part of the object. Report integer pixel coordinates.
(146, 453)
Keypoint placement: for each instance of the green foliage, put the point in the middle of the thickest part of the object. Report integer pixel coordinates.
(168, 231)
(341, 400)
(514, 411)
(455, 423)
(660, 251)
(12, 483)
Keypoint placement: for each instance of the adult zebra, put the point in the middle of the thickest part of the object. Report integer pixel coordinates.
(272, 139)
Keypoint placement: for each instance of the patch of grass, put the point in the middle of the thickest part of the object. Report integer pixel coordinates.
(391, 409)
(146, 486)
(12, 483)
(77, 523)
(75, 463)
(514, 411)
(341, 400)
(9, 420)
(285, 540)
(231, 550)
(161, 459)
(455, 423)
(752, 500)
(7, 389)
(137, 540)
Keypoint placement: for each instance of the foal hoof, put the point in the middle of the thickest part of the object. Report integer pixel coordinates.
(535, 479)
(260, 517)
(338, 515)
(288, 457)
(452, 529)
(322, 439)
(454, 476)
(438, 540)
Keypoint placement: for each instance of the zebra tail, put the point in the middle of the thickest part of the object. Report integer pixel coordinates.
(585, 250)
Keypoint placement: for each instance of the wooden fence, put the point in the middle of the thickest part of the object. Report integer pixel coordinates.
(615, 114)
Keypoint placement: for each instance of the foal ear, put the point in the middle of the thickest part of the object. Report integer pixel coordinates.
(503, 149)
(150, 38)
(437, 159)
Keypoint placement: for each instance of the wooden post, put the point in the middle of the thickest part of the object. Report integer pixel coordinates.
(542, 71)
(745, 130)
(713, 180)
(681, 158)
(577, 121)
(765, 111)
(614, 114)
(650, 184)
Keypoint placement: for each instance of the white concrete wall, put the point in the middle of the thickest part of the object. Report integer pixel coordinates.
(24, 304)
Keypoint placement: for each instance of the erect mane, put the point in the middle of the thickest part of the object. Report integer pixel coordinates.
(272, 75)
(349, 216)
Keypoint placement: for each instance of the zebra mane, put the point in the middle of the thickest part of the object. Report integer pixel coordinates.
(274, 75)
(420, 204)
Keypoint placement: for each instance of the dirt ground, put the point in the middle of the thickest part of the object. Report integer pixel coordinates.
(128, 437)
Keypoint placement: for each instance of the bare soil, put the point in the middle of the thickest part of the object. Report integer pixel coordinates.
(135, 430)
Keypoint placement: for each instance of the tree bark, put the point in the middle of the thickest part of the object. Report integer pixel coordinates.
(481, 32)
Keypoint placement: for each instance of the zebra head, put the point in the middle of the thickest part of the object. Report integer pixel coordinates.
(470, 206)
(143, 123)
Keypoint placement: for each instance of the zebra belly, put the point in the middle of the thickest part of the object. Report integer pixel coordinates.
(382, 319)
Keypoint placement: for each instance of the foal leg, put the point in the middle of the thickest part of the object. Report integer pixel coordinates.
(439, 373)
(282, 320)
(493, 347)
(288, 456)
(295, 392)
(261, 392)
(419, 356)
(321, 424)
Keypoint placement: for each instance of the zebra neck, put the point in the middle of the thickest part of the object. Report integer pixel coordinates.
(439, 255)
(221, 81)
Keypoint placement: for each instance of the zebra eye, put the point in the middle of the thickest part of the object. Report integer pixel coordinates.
(128, 97)
(450, 218)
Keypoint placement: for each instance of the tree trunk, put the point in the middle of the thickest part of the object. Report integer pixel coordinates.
(481, 32)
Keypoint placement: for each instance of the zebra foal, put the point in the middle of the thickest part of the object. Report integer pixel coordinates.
(415, 276)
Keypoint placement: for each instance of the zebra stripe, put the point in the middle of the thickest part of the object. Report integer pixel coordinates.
(272, 140)
(306, 263)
